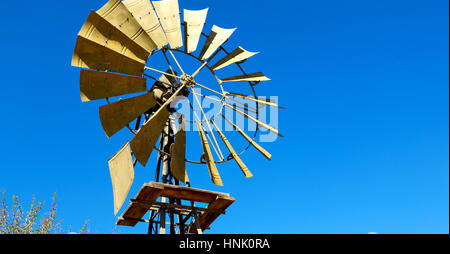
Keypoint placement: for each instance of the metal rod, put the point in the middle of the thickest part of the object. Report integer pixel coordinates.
(158, 169)
(165, 73)
(180, 216)
(199, 69)
(174, 58)
(204, 64)
(209, 126)
(224, 95)
(209, 89)
(201, 126)
(246, 107)
(263, 124)
(200, 121)
(138, 123)
(168, 62)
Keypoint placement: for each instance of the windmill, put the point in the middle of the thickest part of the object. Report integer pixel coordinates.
(112, 48)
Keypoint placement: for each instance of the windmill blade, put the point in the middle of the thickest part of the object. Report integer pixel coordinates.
(115, 12)
(96, 85)
(100, 31)
(237, 55)
(213, 172)
(145, 15)
(263, 124)
(233, 153)
(268, 102)
(193, 26)
(144, 141)
(216, 38)
(88, 54)
(250, 140)
(248, 77)
(178, 155)
(117, 115)
(122, 175)
(169, 16)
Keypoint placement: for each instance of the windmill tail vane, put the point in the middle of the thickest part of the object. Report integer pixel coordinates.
(112, 50)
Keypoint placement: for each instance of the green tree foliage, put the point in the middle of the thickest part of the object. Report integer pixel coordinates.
(14, 220)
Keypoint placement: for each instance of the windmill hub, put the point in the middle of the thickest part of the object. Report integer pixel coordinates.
(188, 80)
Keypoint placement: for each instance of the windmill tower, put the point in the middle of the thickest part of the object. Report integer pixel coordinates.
(112, 48)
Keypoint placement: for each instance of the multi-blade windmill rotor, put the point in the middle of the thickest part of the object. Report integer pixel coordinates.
(113, 47)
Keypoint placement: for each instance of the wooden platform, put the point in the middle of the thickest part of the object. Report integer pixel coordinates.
(150, 192)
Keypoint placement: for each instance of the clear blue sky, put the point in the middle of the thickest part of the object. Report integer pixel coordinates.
(366, 145)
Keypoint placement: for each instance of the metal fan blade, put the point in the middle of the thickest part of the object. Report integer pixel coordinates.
(144, 141)
(237, 55)
(250, 140)
(117, 115)
(268, 102)
(88, 54)
(100, 31)
(96, 85)
(115, 12)
(248, 77)
(145, 15)
(213, 172)
(122, 175)
(233, 153)
(193, 26)
(169, 16)
(178, 155)
(216, 38)
(263, 124)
